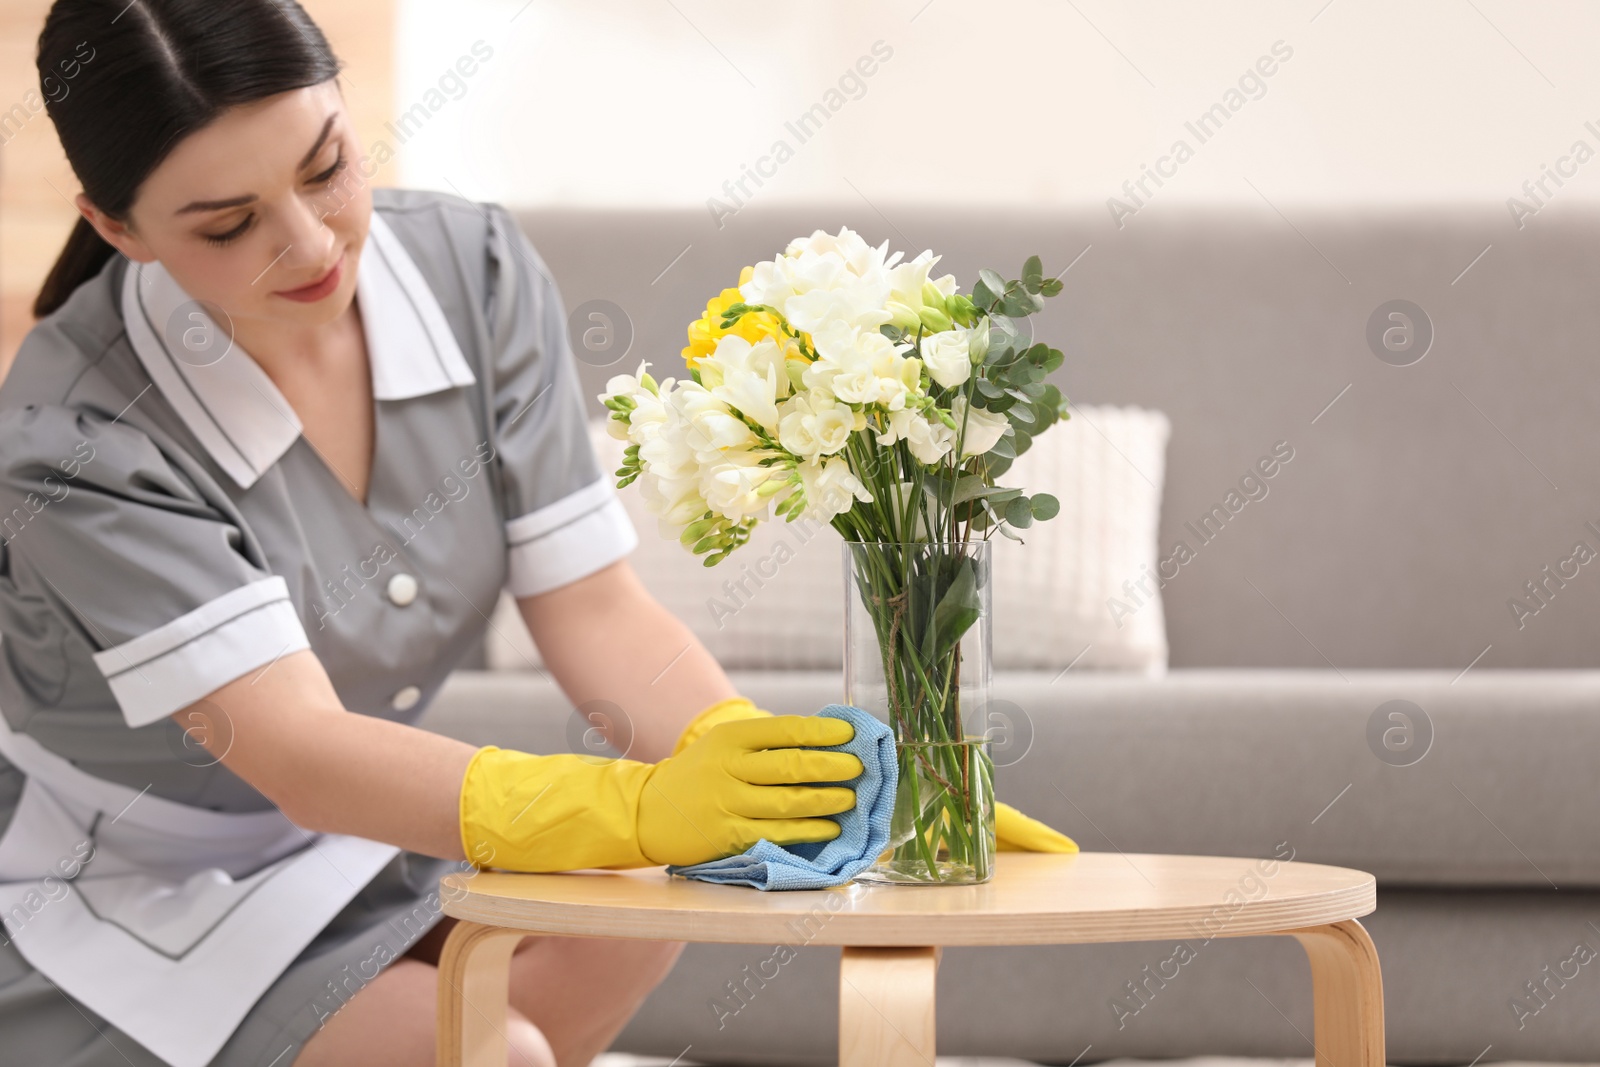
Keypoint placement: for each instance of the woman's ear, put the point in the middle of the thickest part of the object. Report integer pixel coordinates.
(116, 234)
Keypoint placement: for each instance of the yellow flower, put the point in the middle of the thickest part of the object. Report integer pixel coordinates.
(753, 326)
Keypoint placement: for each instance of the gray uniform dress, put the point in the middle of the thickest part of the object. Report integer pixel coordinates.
(165, 528)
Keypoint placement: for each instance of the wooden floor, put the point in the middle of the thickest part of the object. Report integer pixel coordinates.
(37, 185)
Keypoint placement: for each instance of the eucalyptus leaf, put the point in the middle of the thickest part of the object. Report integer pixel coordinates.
(995, 465)
(967, 487)
(995, 283)
(954, 615)
(972, 487)
(1050, 286)
(1019, 514)
(1044, 506)
(1032, 274)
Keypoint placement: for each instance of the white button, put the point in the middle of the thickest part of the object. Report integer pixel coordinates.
(402, 589)
(407, 698)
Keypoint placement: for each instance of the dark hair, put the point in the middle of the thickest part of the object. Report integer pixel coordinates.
(142, 75)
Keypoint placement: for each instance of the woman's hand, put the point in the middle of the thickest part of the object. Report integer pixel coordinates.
(1016, 832)
(741, 781)
(1013, 831)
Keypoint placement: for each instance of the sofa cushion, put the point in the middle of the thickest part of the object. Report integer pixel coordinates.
(1493, 789)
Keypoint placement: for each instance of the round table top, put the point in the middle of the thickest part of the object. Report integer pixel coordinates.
(1033, 899)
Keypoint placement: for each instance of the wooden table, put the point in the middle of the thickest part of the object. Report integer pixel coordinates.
(892, 935)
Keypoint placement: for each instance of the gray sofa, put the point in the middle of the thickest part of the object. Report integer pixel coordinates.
(1381, 567)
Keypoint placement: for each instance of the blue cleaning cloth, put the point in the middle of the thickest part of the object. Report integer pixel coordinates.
(863, 830)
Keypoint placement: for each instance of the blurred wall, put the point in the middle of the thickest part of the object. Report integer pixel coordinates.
(1011, 101)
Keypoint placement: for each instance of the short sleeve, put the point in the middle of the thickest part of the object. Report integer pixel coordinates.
(103, 528)
(563, 517)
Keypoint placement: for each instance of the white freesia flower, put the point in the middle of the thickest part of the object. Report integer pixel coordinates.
(648, 411)
(823, 278)
(984, 428)
(671, 479)
(747, 377)
(712, 428)
(729, 486)
(928, 439)
(948, 356)
(815, 424)
(861, 366)
(906, 280)
(674, 504)
(847, 244)
(830, 488)
(648, 414)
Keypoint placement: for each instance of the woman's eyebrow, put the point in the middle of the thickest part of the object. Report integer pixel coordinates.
(236, 201)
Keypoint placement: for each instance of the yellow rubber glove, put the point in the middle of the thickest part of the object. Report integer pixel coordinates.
(730, 710)
(1016, 832)
(738, 782)
(561, 812)
(730, 787)
(1013, 831)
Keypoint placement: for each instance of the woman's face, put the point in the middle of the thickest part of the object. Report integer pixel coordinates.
(267, 199)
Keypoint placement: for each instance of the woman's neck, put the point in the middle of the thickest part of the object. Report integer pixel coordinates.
(290, 350)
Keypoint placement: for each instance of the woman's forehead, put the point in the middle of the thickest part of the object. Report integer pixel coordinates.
(249, 150)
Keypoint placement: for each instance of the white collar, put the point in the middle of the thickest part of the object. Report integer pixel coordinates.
(231, 404)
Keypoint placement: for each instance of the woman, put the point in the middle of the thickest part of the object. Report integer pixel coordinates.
(274, 447)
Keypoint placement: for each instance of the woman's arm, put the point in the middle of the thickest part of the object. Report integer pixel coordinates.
(604, 637)
(285, 731)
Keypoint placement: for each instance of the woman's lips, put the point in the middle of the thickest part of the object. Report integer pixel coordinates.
(318, 289)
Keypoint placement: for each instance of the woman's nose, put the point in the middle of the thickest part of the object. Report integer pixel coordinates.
(309, 237)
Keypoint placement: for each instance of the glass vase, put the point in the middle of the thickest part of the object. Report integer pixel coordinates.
(917, 656)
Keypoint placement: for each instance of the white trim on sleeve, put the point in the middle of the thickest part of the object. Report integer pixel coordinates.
(172, 666)
(568, 539)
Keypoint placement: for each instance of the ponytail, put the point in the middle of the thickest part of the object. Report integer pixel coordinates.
(85, 253)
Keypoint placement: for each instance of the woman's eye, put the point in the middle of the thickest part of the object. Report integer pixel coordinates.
(232, 235)
(328, 175)
(325, 178)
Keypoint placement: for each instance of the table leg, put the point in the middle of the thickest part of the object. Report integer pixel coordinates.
(886, 1006)
(474, 984)
(1347, 994)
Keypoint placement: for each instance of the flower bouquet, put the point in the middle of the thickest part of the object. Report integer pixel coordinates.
(839, 384)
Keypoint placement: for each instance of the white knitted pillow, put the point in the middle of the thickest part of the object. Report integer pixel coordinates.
(778, 601)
